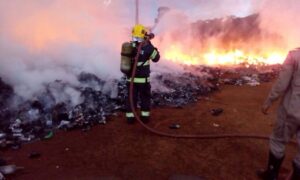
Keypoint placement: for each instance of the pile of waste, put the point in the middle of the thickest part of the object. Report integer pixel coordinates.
(67, 107)
(177, 90)
(253, 75)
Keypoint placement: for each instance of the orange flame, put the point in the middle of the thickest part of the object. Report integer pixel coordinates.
(219, 57)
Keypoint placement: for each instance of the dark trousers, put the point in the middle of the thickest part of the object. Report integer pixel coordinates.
(142, 92)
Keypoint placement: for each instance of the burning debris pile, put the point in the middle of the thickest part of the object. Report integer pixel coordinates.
(232, 31)
(99, 99)
(225, 41)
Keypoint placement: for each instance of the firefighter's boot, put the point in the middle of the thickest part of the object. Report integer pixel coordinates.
(272, 171)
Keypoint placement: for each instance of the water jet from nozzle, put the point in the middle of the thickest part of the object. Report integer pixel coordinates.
(136, 11)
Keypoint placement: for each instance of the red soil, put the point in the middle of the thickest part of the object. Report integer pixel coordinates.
(120, 151)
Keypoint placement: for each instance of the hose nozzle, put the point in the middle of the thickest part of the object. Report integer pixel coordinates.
(150, 36)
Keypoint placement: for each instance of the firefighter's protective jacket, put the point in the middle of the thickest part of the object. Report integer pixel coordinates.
(288, 85)
(147, 54)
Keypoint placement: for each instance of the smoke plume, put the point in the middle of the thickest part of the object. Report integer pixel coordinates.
(258, 28)
(48, 40)
(282, 17)
(44, 41)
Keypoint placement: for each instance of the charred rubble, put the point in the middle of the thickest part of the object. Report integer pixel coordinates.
(6, 92)
(252, 75)
(97, 99)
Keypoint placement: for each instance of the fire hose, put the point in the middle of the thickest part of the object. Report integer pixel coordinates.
(185, 136)
(182, 136)
(190, 136)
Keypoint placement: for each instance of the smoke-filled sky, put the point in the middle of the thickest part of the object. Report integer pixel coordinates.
(202, 9)
(45, 40)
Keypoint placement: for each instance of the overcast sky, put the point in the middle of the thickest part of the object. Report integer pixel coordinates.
(194, 9)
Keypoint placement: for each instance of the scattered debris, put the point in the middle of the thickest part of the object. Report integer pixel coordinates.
(174, 126)
(9, 169)
(253, 75)
(34, 155)
(216, 125)
(217, 111)
(49, 135)
(2, 176)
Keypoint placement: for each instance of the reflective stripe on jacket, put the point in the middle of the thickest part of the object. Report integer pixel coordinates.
(148, 53)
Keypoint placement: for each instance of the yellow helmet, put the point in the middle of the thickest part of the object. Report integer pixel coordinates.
(139, 31)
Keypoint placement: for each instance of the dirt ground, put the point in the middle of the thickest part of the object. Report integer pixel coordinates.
(120, 151)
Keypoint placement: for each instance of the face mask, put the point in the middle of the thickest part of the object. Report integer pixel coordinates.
(137, 39)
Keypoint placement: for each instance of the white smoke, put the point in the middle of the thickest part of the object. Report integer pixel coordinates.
(203, 9)
(44, 41)
(282, 17)
(47, 40)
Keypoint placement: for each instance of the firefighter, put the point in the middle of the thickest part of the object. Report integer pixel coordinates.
(141, 87)
(288, 116)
